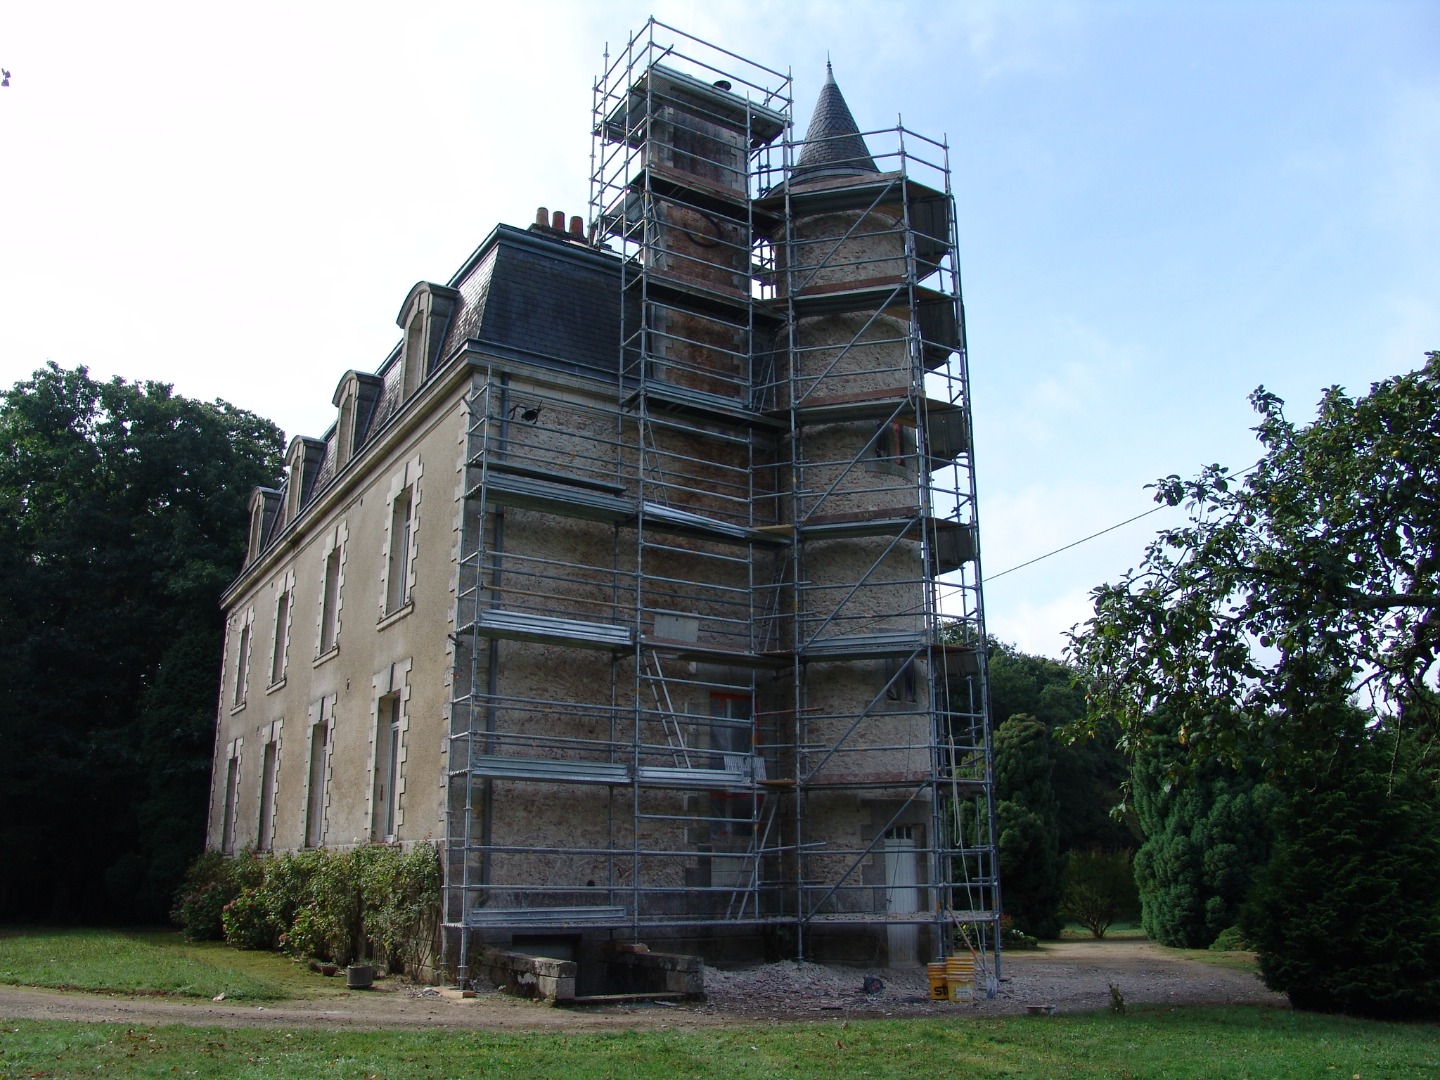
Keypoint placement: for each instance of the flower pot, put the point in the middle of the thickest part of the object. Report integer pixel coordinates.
(359, 976)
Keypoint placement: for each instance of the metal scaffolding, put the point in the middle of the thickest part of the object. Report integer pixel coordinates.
(757, 560)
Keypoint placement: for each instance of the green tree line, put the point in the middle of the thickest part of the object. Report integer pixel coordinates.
(122, 518)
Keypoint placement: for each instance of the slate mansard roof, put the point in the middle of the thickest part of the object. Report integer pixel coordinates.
(528, 295)
(525, 296)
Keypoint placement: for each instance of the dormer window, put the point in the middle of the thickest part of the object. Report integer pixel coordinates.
(415, 353)
(302, 462)
(355, 398)
(425, 317)
(345, 428)
(263, 504)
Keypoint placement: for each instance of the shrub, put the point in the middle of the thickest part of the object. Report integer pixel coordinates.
(260, 917)
(1099, 889)
(1230, 940)
(402, 903)
(1205, 841)
(332, 905)
(1347, 916)
(973, 937)
(212, 882)
(247, 922)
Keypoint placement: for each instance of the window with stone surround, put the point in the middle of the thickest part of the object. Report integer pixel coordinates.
(318, 771)
(241, 666)
(331, 592)
(401, 533)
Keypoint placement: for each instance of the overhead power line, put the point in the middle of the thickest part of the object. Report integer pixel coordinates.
(1076, 543)
(1119, 524)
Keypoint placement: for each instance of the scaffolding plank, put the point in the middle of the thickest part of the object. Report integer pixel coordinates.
(947, 433)
(549, 630)
(715, 654)
(670, 398)
(532, 472)
(879, 190)
(866, 646)
(543, 916)
(953, 542)
(866, 918)
(719, 105)
(685, 523)
(703, 779)
(549, 770)
(608, 773)
(526, 493)
(703, 296)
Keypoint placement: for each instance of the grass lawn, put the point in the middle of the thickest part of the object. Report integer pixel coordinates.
(1178, 1044)
(150, 962)
(1160, 1043)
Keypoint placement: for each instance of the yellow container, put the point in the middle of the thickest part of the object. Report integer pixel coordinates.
(960, 977)
(938, 988)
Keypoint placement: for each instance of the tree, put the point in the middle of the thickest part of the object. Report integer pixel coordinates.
(1347, 915)
(1099, 889)
(1296, 593)
(1088, 773)
(122, 519)
(1025, 816)
(1314, 576)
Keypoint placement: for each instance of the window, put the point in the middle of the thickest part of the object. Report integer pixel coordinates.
(270, 763)
(397, 567)
(282, 635)
(397, 572)
(330, 602)
(892, 443)
(414, 358)
(345, 426)
(900, 681)
(424, 317)
(242, 661)
(319, 771)
(232, 789)
(302, 463)
(264, 503)
(386, 804)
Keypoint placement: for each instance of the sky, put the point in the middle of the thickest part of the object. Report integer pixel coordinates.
(1160, 207)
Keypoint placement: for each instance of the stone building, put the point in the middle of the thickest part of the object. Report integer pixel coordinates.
(642, 577)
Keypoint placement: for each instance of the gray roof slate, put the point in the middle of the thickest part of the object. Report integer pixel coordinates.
(833, 146)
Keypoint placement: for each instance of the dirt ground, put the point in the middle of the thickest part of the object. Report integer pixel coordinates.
(1070, 976)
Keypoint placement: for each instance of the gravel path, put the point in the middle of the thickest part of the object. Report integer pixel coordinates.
(1070, 976)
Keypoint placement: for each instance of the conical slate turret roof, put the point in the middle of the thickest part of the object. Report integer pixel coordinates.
(833, 145)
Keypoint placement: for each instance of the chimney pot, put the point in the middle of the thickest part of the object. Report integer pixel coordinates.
(542, 215)
(577, 225)
(558, 221)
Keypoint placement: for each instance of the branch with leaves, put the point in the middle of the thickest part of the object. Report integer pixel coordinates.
(1313, 577)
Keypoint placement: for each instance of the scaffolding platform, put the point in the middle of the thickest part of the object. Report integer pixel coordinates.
(547, 917)
(549, 630)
